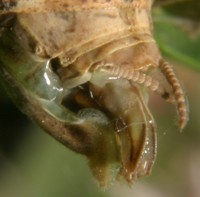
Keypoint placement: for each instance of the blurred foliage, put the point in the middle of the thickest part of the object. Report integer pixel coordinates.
(185, 9)
(44, 168)
(33, 164)
(177, 39)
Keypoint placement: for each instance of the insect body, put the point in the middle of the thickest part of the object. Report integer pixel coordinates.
(83, 72)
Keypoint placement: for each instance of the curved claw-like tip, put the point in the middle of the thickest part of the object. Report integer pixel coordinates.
(179, 96)
(124, 142)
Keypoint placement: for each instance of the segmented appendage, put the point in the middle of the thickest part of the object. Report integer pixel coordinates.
(138, 77)
(180, 99)
(154, 85)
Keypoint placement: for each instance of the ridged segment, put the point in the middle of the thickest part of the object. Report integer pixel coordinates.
(135, 76)
(179, 95)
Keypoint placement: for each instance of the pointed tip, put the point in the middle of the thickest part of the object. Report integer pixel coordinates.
(183, 122)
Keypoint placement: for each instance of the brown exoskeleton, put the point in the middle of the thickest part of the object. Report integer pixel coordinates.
(81, 69)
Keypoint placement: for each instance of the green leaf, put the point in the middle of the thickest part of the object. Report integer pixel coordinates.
(175, 42)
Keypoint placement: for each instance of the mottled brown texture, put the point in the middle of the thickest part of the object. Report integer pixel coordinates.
(63, 49)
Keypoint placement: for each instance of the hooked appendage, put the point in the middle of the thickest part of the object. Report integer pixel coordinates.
(179, 95)
(154, 85)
